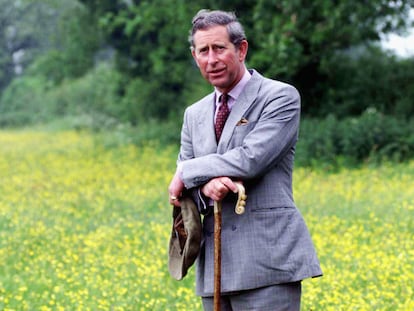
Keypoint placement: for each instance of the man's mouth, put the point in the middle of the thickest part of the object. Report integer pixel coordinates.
(216, 72)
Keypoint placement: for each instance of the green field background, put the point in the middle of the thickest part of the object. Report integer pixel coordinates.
(85, 226)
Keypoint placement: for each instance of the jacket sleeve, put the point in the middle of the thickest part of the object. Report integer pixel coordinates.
(186, 153)
(273, 133)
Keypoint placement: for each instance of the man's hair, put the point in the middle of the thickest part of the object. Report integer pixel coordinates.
(206, 19)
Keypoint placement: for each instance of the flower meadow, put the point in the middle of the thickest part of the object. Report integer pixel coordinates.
(84, 226)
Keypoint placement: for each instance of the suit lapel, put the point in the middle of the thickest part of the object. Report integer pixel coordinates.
(242, 104)
(205, 123)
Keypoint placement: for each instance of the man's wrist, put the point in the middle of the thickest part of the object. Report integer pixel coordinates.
(179, 171)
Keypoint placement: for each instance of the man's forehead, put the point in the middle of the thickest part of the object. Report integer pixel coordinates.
(211, 35)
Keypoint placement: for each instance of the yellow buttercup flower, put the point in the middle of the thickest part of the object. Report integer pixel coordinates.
(85, 227)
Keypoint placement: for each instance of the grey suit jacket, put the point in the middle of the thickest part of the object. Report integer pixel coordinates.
(270, 243)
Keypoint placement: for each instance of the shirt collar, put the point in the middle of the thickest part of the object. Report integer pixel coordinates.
(235, 92)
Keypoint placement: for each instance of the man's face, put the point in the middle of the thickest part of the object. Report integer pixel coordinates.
(220, 62)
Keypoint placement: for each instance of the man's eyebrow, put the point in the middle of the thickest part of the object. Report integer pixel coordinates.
(214, 45)
(200, 48)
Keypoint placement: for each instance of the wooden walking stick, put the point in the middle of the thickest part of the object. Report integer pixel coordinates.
(217, 254)
(241, 202)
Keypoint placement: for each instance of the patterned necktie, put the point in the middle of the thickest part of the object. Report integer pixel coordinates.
(222, 114)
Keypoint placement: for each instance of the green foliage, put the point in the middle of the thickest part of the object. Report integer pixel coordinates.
(76, 41)
(26, 32)
(318, 141)
(370, 78)
(95, 93)
(61, 37)
(372, 137)
(377, 136)
(74, 46)
(150, 39)
(21, 103)
(289, 40)
(32, 99)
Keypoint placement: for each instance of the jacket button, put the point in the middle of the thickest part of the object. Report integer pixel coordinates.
(234, 228)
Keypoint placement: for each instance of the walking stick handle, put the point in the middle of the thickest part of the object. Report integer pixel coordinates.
(241, 200)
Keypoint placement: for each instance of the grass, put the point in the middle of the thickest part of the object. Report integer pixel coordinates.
(85, 227)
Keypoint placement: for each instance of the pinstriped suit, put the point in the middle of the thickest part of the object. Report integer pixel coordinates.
(270, 243)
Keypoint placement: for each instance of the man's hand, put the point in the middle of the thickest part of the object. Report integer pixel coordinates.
(176, 189)
(217, 188)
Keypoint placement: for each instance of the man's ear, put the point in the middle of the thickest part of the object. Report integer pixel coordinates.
(244, 46)
(194, 56)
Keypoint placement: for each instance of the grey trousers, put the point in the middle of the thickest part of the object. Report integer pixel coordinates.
(280, 297)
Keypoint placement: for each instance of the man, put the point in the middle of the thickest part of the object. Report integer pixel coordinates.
(267, 251)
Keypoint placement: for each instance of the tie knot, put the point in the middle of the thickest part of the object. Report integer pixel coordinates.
(224, 98)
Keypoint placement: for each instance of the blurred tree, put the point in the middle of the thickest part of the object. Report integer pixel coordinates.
(74, 45)
(59, 35)
(24, 31)
(373, 80)
(289, 40)
(294, 40)
(150, 38)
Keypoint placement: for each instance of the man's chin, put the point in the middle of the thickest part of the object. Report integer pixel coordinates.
(219, 83)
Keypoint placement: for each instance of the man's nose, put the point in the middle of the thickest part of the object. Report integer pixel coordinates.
(212, 57)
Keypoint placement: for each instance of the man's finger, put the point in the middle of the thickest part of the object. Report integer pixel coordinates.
(229, 184)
